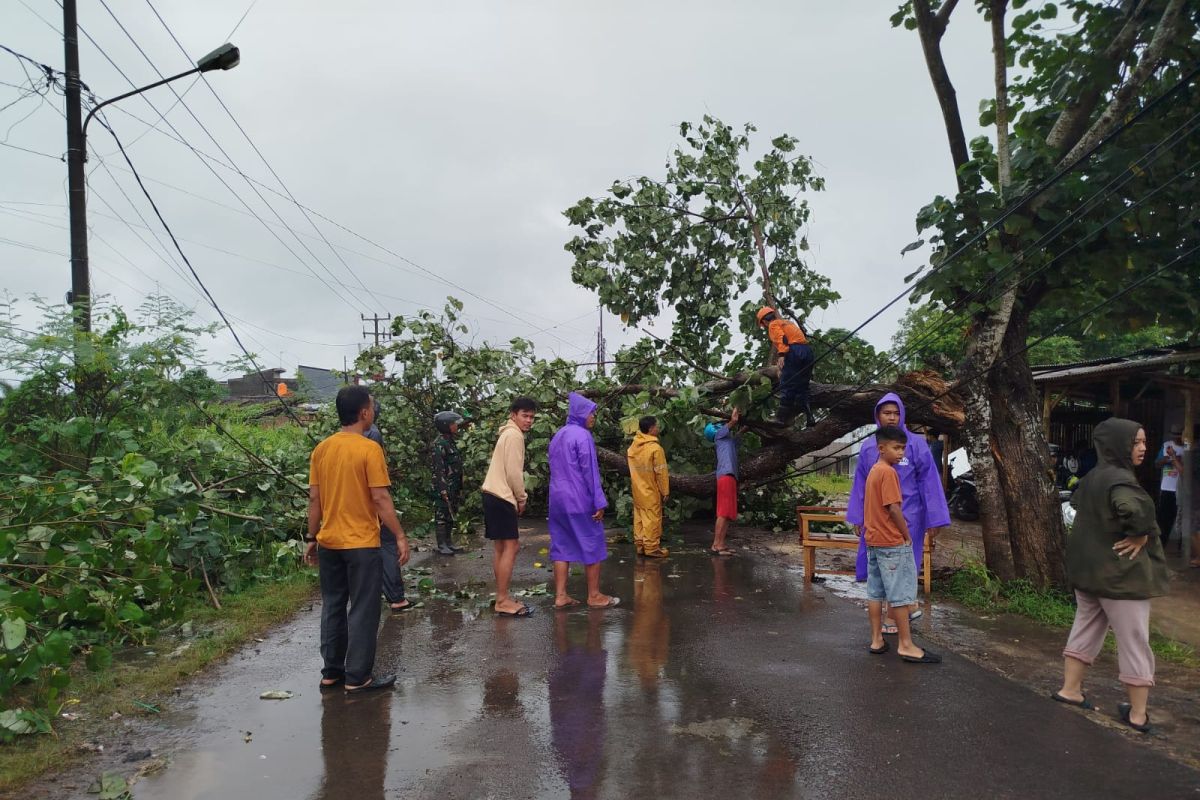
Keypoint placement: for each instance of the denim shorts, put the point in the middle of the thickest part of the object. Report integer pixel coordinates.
(892, 575)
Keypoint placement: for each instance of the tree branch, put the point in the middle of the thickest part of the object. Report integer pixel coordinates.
(1071, 124)
(931, 27)
(1168, 28)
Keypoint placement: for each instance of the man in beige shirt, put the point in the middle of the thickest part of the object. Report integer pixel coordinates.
(504, 500)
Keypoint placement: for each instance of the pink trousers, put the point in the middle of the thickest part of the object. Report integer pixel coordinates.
(1130, 623)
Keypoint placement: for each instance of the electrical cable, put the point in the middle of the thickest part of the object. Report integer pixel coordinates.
(207, 293)
(1011, 210)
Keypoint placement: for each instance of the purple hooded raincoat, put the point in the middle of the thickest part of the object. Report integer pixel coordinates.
(575, 492)
(924, 502)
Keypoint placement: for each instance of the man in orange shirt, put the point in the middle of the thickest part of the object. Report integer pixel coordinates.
(348, 498)
(891, 569)
(795, 359)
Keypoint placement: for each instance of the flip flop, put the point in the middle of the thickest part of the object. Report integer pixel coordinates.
(928, 658)
(1123, 710)
(880, 650)
(613, 602)
(403, 605)
(324, 687)
(569, 604)
(916, 614)
(724, 551)
(373, 684)
(524, 611)
(889, 629)
(1084, 703)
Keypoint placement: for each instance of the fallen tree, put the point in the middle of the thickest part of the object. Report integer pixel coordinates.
(926, 397)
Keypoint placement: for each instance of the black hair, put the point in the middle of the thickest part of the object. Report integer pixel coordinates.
(351, 400)
(890, 434)
(523, 403)
(646, 423)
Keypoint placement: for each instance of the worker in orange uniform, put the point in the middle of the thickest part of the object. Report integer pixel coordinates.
(795, 360)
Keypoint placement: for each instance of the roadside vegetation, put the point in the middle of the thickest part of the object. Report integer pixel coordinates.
(980, 590)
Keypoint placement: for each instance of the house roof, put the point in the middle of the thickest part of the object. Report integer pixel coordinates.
(1149, 360)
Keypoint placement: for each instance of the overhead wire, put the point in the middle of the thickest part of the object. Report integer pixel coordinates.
(230, 189)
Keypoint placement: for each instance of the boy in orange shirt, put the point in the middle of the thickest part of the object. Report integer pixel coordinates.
(891, 570)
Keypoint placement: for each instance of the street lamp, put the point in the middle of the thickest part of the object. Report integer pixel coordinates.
(224, 57)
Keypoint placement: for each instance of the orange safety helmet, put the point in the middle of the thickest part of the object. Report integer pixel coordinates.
(763, 313)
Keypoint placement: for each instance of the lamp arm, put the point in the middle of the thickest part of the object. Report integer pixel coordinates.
(112, 100)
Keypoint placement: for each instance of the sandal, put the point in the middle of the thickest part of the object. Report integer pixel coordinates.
(373, 684)
(1084, 703)
(928, 658)
(571, 602)
(523, 611)
(724, 551)
(613, 602)
(1123, 710)
(336, 683)
(889, 629)
(876, 651)
(403, 605)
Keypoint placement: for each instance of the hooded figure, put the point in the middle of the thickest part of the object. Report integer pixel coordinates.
(651, 483)
(924, 500)
(575, 491)
(1110, 504)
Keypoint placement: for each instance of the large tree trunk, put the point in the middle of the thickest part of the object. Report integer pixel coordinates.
(1035, 527)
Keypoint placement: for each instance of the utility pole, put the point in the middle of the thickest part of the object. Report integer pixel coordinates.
(80, 296)
(380, 335)
(601, 356)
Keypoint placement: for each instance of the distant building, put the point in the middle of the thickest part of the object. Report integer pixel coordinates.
(318, 385)
(259, 386)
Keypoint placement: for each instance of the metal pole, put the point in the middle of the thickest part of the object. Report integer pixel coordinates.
(80, 296)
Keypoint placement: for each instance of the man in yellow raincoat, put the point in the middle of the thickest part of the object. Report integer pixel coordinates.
(651, 485)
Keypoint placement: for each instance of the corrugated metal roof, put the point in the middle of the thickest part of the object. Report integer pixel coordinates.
(1043, 374)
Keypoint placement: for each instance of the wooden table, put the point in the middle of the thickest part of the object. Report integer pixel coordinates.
(810, 541)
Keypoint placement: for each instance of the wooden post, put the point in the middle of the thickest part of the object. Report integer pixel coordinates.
(1187, 521)
(1046, 409)
(1114, 397)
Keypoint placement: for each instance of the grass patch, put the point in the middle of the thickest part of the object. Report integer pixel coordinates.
(829, 486)
(977, 589)
(214, 635)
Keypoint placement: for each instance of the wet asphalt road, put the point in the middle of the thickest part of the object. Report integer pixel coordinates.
(714, 678)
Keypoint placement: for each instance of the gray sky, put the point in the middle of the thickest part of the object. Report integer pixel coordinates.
(453, 135)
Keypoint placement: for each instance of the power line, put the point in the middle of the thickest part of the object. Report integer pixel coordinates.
(254, 146)
(196, 275)
(1022, 202)
(225, 183)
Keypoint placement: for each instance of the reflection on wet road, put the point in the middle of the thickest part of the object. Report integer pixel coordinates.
(714, 677)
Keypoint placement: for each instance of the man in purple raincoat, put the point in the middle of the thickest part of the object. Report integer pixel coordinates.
(577, 505)
(924, 502)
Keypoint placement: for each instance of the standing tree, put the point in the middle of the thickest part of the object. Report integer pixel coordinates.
(1122, 215)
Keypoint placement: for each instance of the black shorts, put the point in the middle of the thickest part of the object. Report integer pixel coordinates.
(499, 518)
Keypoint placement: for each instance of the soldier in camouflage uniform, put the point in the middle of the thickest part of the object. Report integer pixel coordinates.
(447, 479)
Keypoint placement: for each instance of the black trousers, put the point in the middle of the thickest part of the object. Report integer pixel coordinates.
(393, 578)
(353, 578)
(1167, 509)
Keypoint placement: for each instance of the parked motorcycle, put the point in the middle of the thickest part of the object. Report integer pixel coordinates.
(964, 502)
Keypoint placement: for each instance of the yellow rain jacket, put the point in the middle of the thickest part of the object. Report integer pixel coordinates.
(651, 483)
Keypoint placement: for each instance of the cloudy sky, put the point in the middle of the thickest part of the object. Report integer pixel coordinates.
(435, 145)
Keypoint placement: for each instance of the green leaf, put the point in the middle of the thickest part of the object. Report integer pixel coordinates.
(13, 630)
(99, 658)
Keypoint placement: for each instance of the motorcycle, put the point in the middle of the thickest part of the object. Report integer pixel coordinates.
(964, 502)
(1068, 510)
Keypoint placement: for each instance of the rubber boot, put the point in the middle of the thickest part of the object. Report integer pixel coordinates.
(443, 540)
(450, 538)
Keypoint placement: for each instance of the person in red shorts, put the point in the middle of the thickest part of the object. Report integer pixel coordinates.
(727, 471)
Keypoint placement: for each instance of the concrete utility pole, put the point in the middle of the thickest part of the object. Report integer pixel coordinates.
(380, 335)
(601, 356)
(80, 296)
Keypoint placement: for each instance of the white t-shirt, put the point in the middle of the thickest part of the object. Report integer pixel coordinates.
(1170, 475)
